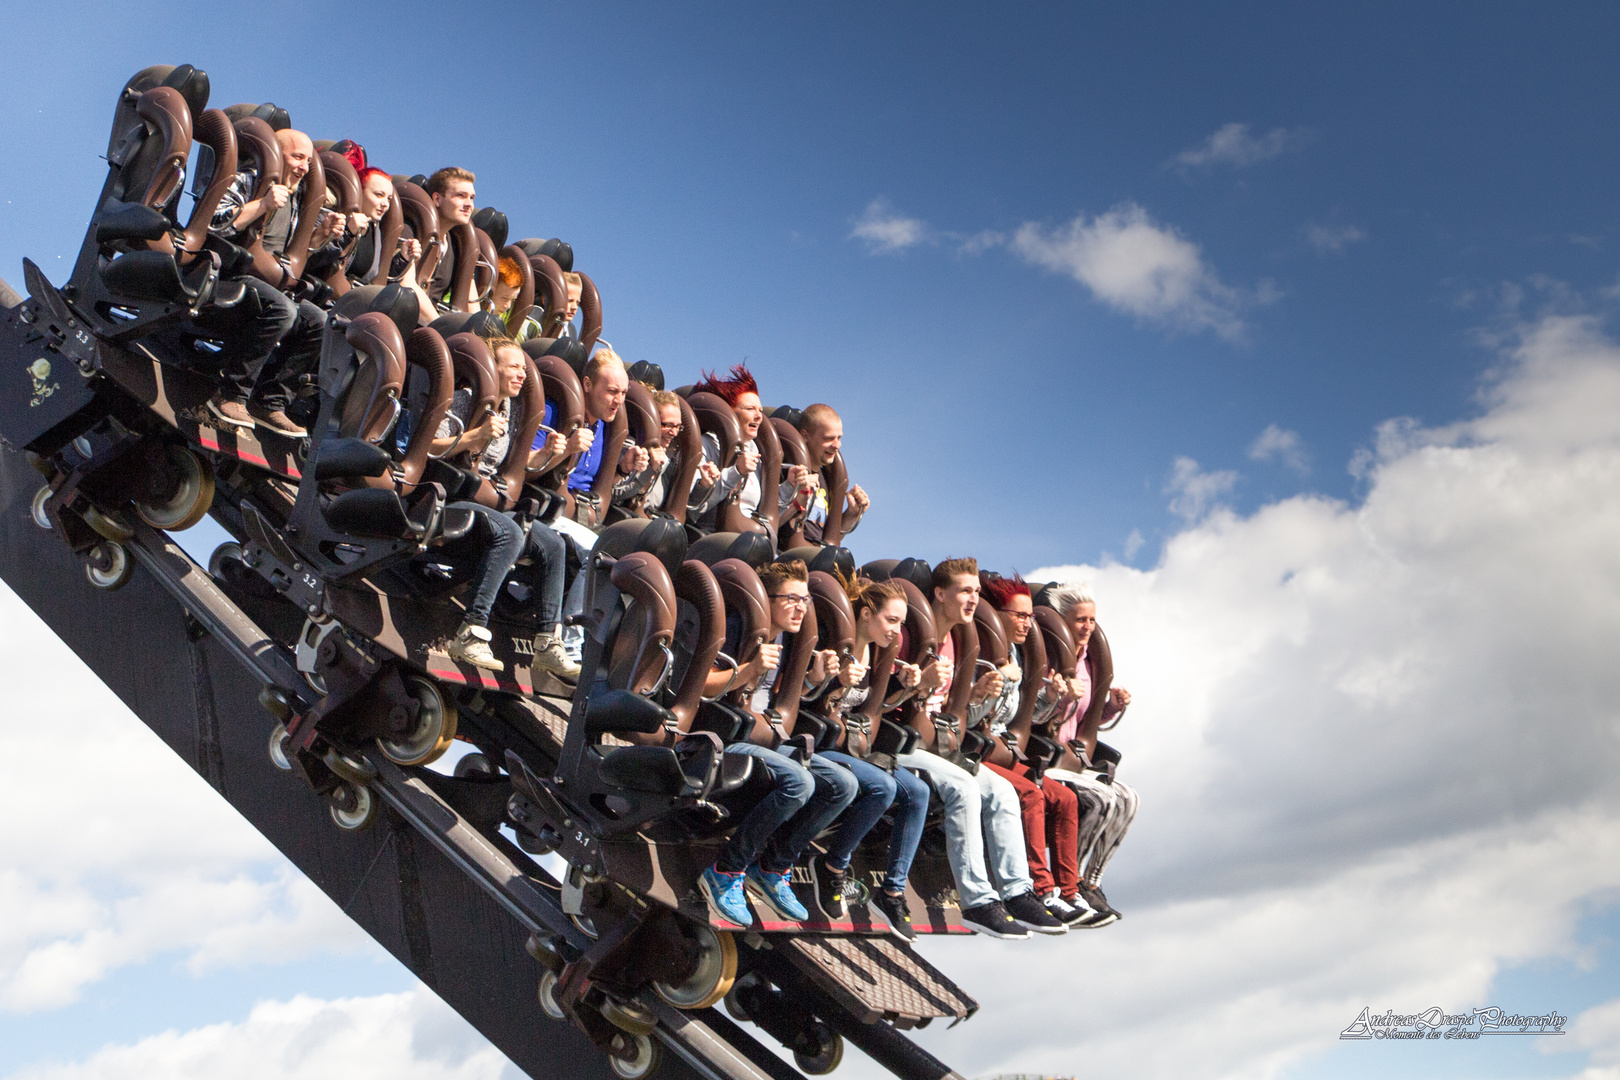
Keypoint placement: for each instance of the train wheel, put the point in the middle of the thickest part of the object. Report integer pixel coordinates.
(36, 509)
(548, 996)
(825, 1059)
(228, 552)
(433, 732)
(108, 528)
(108, 566)
(635, 1057)
(474, 764)
(711, 980)
(630, 1017)
(352, 808)
(194, 493)
(278, 748)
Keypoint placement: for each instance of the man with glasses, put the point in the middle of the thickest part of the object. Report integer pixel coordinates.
(764, 847)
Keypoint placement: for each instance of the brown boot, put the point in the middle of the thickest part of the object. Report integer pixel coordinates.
(275, 420)
(230, 412)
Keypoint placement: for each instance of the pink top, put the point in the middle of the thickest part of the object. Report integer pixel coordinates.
(1069, 727)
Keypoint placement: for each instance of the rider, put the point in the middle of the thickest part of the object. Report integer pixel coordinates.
(742, 394)
(823, 432)
(504, 541)
(453, 194)
(981, 809)
(1107, 805)
(1050, 810)
(880, 612)
(275, 214)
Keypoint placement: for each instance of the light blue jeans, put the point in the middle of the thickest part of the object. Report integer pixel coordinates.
(984, 831)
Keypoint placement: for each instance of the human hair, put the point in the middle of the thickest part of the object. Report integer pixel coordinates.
(369, 171)
(1065, 598)
(729, 390)
(599, 360)
(511, 274)
(999, 590)
(868, 595)
(356, 156)
(439, 182)
(951, 569)
(498, 341)
(777, 574)
(571, 278)
(664, 398)
(817, 414)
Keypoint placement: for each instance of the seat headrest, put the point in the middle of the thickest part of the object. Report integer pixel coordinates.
(269, 112)
(554, 248)
(193, 86)
(788, 413)
(573, 351)
(662, 538)
(393, 300)
(645, 371)
(839, 561)
(752, 548)
(494, 224)
(419, 180)
(918, 572)
(481, 323)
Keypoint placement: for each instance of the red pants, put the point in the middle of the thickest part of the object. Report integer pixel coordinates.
(1051, 814)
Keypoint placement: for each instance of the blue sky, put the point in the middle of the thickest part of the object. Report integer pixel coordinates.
(1125, 290)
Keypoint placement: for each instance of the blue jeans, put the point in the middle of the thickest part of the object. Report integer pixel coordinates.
(791, 788)
(503, 542)
(548, 552)
(910, 815)
(876, 791)
(835, 790)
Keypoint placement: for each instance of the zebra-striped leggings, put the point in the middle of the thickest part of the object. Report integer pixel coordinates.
(1106, 813)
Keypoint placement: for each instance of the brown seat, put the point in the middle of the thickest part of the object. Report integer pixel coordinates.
(590, 311)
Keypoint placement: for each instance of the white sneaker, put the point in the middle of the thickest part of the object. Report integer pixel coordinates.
(471, 644)
(550, 655)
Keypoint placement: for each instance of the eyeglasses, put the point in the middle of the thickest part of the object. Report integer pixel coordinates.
(792, 599)
(1021, 616)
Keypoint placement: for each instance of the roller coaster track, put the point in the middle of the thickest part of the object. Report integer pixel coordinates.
(451, 903)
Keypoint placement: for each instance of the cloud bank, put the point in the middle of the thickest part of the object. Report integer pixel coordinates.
(1376, 745)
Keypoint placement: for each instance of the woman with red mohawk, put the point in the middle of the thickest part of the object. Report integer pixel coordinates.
(742, 394)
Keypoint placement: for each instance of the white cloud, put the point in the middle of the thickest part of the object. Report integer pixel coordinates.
(1377, 747)
(1332, 239)
(409, 1036)
(1194, 492)
(1135, 265)
(884, 231)
(1281, 445)
(98, 881)
(1236, 145)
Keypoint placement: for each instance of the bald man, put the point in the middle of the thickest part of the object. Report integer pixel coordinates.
(803, 495)
(274, 217)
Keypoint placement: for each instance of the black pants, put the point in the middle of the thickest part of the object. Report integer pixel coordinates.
(295, 357)
(249, 331)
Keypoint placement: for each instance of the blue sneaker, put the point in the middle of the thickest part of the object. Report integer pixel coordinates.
(777, 893)
(724, 892)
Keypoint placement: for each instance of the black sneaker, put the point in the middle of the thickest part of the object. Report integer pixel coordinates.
(1062, 910)
(897, 911)
(993, 920)
(1101, 913)
(831, 884)
(1031, 914)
